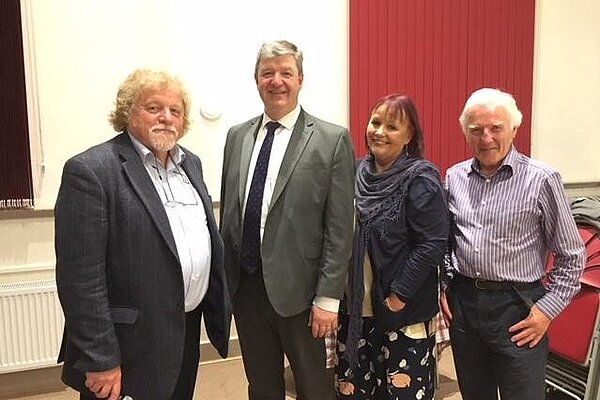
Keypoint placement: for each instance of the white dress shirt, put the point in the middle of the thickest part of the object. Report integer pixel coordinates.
(187, 220)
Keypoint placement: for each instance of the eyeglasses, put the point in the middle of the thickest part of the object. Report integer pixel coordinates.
(171, 201)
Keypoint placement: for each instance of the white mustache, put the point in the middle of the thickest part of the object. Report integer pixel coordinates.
(157, 129)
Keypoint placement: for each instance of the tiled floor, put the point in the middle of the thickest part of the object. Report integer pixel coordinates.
(225, 380)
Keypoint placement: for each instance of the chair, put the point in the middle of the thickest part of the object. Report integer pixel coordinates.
(574, 361)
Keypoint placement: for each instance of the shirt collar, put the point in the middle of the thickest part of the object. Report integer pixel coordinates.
(287, 121)
(176, 153)
(509, 163)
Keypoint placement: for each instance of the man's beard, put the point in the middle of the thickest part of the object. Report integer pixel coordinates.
(163, 139)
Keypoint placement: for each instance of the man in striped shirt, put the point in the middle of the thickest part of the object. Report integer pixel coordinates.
(509, 212)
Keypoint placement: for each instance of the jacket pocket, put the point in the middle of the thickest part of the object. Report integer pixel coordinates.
(123, 315)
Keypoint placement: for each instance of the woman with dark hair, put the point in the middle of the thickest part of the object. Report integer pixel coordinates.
(386, 340)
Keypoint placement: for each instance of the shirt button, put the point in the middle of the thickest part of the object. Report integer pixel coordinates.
(487, 180)
(478, 273)
(476, 249)
(483, 202)
(479, 226)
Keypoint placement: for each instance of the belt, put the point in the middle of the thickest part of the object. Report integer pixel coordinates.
(484, 284)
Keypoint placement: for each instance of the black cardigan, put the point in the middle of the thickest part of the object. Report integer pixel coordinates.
(405, 254)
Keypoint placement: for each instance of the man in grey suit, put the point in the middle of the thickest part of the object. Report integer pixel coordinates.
(300, 231)
(139, 257)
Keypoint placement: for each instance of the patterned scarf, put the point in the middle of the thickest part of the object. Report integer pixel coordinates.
(379, 196)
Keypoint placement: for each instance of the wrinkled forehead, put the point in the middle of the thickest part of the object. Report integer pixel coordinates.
(156, 90)
(488, 113)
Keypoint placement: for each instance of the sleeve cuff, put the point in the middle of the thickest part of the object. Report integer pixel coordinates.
(550, 305)
(327, 303)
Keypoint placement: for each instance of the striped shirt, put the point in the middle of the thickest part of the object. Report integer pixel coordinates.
(506, 225)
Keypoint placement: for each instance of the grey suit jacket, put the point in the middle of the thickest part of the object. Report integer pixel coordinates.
(118, 273)
(308, 233)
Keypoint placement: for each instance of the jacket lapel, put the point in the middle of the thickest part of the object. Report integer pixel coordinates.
(245, 156)
(302, 132)
(192, 172)
(137, 175)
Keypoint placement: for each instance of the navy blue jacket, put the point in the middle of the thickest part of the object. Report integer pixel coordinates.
(405, 259)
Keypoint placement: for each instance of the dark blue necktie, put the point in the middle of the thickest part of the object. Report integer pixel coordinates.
(251, 260)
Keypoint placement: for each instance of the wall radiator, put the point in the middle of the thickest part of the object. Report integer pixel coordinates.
(31, 324)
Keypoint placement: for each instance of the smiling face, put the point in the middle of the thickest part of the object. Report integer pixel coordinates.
(490, 134)
(156, 119)
(386, 137)
(279, 83)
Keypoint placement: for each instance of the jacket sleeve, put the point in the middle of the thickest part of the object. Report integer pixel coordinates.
(427, 220)
(81, 231)
(338, 221)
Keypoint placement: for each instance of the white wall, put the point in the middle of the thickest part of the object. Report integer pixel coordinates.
(84, 49)
(566, 102)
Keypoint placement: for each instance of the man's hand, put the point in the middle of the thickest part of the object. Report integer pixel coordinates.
(530, 330)
(105, 384)
(322, 322)
(393, 303)
(445, 308)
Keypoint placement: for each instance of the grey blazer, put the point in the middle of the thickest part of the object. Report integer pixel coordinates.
(118, 273)
(308, 232)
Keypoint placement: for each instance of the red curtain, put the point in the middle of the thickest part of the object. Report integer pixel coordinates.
(16, 185)
(438, 52)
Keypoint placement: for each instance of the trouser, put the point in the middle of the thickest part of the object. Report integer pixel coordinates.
(265, 337)
(486, 360)
(186, 382)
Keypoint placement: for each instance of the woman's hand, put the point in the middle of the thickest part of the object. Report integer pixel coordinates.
(445, 307)
(393, 303)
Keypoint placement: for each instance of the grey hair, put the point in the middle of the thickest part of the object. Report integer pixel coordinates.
(491, 98)
(279, 48)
